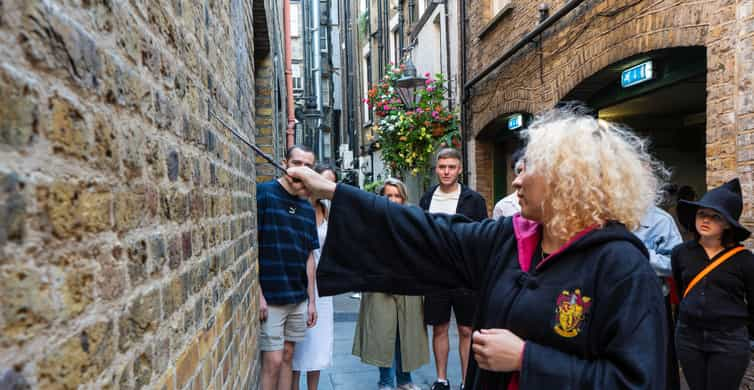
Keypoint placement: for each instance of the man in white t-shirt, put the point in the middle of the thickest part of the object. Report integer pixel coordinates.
(451, 197)
(508, 206)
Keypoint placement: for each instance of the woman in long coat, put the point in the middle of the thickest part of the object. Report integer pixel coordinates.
(390, 333)
(568, 299)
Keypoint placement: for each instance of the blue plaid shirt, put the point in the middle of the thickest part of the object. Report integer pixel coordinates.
(287, 233)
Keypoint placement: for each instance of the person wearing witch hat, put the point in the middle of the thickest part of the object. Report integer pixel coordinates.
(715, 276)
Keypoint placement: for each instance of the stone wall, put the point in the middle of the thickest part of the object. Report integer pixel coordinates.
(127, 214)
(599, 33)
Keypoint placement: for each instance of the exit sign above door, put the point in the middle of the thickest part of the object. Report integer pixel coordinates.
(637, 74)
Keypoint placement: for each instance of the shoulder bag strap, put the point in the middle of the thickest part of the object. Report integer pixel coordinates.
(709, 268)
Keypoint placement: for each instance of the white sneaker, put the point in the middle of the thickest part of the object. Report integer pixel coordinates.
(358, 296)
(408, 386)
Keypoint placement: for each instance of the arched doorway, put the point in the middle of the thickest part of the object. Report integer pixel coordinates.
(667, 105)
(501, 139)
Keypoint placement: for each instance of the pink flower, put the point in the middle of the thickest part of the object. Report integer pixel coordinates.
(429, 81)
(419, 110)
(435, 114)
(387, 107)
(430, 89)
(426, 74)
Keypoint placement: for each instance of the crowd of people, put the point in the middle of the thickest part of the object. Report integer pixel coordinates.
(580, 280)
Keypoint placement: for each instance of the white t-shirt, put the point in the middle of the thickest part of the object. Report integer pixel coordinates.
(445, 202)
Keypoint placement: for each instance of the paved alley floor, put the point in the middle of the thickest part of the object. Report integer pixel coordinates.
(347, 371)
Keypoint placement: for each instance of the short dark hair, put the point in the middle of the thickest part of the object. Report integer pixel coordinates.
(517, 155)
(448, 153)
(322, 168)
(302, 148)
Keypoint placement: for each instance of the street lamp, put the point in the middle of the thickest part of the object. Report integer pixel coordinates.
(408, 84)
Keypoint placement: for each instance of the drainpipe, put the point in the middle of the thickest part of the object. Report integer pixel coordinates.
(290, 130)
(316, 71)
(464, 90)
(447, 56)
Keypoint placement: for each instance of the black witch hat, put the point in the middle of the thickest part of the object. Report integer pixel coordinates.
(726, 200)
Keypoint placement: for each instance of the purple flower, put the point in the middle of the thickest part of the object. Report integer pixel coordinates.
(435, 114)
(419, 110)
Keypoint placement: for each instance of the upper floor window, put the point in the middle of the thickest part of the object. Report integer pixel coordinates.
(498, 5)
(295, 20)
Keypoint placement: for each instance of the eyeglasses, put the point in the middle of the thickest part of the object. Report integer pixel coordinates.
(712, 216)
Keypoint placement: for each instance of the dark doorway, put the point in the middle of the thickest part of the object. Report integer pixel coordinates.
(669, 109)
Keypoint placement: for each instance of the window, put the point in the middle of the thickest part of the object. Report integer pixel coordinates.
(497, 5)
(367, 81)
(298, 81)
(295, 20)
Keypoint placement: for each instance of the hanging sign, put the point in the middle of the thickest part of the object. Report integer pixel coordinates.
(515, 121)
(637, 74)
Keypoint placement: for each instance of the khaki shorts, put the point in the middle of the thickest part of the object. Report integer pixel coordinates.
(283, 323)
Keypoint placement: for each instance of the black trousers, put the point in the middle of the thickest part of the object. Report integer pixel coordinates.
(712, 359)
(672, 377)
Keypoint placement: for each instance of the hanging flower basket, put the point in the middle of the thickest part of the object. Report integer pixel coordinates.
(409, 138)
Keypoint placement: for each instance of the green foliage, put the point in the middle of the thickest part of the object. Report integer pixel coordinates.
(363, 25)
(373, 186)
(408, 138)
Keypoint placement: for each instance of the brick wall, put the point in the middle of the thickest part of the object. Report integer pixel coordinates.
(599, 33)
(127, 225)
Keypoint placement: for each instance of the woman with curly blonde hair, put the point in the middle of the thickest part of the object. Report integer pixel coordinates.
(567, 296)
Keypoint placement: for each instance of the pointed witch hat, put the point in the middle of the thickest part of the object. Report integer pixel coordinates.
(726, 200)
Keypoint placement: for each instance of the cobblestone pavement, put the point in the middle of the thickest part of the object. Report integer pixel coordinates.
(347, 371)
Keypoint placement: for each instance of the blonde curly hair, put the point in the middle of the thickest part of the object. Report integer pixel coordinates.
(595, 171)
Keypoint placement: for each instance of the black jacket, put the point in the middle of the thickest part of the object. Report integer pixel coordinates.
(719, 301)
(470, 203)
(618, 343)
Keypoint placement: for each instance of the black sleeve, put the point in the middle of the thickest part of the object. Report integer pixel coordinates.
(631, 329)
(480, 208)
(675, 264)
(376, 245)
(748, 275)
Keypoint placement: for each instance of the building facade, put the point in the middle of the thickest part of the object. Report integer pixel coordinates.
(679, 73)
(317, 78)
(382, 32)
(128, 229)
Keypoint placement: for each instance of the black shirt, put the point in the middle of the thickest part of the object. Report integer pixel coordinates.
(719, 300)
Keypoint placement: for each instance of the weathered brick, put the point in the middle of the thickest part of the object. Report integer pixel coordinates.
(140, 317)
(142, 367)
(53, 41)
(18, 110)
(173, 296)
(174, 252)
(157, 251)
(12, 379)
(186, 364)
(78, 290)
(173, 164)
(79, 359)
(12, 209)
(67, 129)
(25, 301)
(112, 276)
(94, 210)
(138, 265)
(58, 200)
